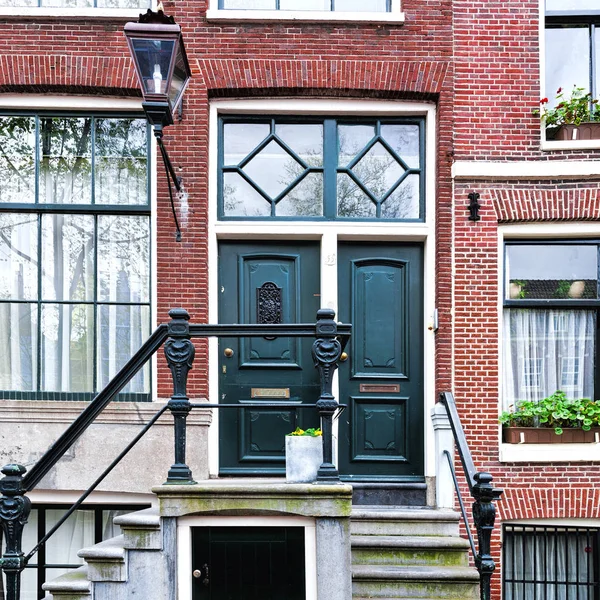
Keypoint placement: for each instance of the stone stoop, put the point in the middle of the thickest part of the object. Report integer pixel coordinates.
(134, 558)
(407, 553)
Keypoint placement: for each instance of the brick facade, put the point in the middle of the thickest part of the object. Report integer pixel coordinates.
(477, 61)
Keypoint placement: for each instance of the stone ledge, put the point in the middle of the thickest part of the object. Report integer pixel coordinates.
(255, 497)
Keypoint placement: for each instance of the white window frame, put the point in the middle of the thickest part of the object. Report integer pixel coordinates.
(63, 13)
(327, 233)
(214, 13)
(542, 453)
(99, 103)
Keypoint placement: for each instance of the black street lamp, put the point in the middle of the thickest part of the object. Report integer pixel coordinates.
(163, 71)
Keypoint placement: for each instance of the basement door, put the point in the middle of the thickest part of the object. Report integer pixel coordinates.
(248, 563)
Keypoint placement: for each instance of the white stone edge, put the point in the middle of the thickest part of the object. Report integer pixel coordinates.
(124, 413)
(549, 453)
(305, 16)
(525, 169)
(71, 13)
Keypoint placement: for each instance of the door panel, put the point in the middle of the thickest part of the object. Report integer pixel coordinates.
(265, 283)
(248, 563)
(381, 294)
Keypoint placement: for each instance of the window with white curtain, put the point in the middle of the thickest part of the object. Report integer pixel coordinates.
(74, 253)
(549, 562)
(550, 320)
(84, 528)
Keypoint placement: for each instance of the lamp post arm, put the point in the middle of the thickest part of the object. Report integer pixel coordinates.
(171, 176)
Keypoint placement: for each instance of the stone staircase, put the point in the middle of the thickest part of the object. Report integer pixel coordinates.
(397, 553)
(406, 553)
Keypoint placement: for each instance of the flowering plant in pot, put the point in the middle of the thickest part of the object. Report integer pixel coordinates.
(571, 118)
(303, 455)
(551, 420)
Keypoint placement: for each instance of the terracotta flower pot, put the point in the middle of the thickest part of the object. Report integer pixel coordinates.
(546, 435)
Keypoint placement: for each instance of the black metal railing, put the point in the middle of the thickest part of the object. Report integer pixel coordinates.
(331, 338)
(483, 493)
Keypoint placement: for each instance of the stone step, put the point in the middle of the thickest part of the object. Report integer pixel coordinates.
(393, 520)
(409, 550)
(106, 560)
(399, 582)
(141, 529)
(73, 585)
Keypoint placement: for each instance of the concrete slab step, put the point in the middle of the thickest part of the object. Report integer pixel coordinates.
(73, 585)
(106, 560)
(399, 582)
(377, 520)
(141, 529)
(409, 550)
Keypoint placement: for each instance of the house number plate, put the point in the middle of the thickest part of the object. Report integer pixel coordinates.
(391, 388)
(270, 392)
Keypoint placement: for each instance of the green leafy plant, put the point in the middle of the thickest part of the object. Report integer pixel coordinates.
(556, 411)
(311, 432)
(519, 289)
(578, 108)
(562, 289)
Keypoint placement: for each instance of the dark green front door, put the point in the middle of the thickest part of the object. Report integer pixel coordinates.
(248, 563)
(265, 283)
(380, 290)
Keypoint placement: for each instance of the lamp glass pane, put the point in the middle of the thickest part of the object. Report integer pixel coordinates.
(153, 58)
(180, 76)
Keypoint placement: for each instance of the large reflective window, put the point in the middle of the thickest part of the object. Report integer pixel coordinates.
(74, 271)
(325, 5)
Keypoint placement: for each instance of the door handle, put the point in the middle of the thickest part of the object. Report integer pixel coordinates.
(202, 574)
(343, 357)
(228, 352)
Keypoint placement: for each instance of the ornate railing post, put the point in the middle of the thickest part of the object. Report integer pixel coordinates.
(326, 352)
(14, 512)
(179, 352)
(484, 515)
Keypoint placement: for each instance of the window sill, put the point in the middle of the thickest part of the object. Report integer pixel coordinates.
(305, 16)
(550, 145)
(35, 12)
(546, 453)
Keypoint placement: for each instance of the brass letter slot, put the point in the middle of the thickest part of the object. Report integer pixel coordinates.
(270, 392)
(391, 388)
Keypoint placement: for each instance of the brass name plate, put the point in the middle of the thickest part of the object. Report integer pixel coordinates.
(390, 388)
(270, 392)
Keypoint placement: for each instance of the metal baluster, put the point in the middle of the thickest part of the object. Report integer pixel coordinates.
(14, 512)
(326, 352)
(179, 352)
(484, 515)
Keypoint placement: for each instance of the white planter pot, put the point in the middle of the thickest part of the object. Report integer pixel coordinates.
(303, 457)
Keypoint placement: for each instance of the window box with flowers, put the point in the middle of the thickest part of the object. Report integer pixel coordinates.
(552, 420)
(571, 118)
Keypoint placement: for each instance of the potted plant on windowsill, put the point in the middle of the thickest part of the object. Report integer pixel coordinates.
(303, 455)
(552, 420)
(572, 118)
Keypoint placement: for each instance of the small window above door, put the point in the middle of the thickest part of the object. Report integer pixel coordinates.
(321, 169)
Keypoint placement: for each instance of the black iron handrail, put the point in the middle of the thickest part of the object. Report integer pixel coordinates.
(15, 506)
(483, 493)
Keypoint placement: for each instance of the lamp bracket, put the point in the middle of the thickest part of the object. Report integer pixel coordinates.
(157, 17)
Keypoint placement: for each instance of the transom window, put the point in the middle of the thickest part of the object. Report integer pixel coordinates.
(74, 253)
(324, 5)
(551, 305)
(550, 562)
(572, 46)
(368, 169)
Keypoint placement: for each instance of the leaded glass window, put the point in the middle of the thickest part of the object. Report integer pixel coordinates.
(74, 253)
(281, 168)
